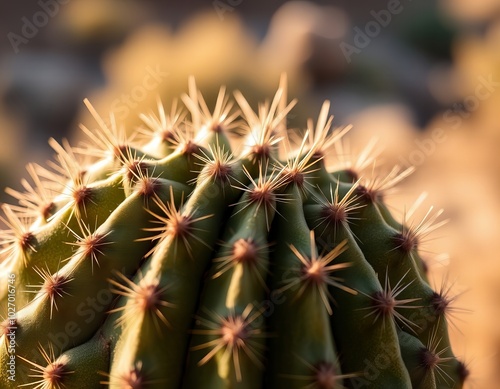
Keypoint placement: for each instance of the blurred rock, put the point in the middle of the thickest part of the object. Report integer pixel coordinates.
(156, 62)
(43, 90)
(472, 11)
(12, 141)
(303, 35)
(95, 25)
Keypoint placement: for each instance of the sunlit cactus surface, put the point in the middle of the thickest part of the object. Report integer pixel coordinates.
(218, 248)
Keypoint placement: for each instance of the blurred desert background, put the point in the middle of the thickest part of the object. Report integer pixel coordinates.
(423, 77)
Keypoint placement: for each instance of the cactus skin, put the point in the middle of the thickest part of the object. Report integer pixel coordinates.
(174, 263)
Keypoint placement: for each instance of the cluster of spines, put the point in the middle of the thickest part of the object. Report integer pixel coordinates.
(174, 305)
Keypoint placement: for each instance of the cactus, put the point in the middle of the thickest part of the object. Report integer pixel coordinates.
(216, 252)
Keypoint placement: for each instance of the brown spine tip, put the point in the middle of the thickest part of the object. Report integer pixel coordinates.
(217, 128)
(295, 176)
(384, 302)
(334, 213)
(406, 241)
(120, 151)
(318, 156)
(92, 244)
(179, 226)
(135, 169)
(219, 170)
(245, 251)
(326, 377)
(132, 379)
(369, 194)
(81, 195)
(189, 148)
(167, 136)
(234, 331)
(352, 174)
(147, 297)
(440, 303)
(260, 152)
(47, 209)
(463, 371)
(55, 285)
(148, 186)
(26, 241)
(53, 375)
(428, 359)
(425, 266)
(315, 272)
(232, 335)
(262, 194)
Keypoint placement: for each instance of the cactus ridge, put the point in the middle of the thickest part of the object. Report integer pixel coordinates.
(219, 249)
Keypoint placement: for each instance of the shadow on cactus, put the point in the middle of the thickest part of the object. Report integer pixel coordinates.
(215, 249)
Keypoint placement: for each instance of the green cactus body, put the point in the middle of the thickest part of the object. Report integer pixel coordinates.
(390, 257)
(227, 322)
(78, 365)
(177, 266)
(41, 251)
(176, 262)
(414, 356)
(356, 322)
(82, 284)
(302, 350)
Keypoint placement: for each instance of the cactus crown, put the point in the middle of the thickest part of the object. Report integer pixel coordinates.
(214, 250)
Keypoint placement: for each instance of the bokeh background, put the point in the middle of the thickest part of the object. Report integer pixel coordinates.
(422, 76)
